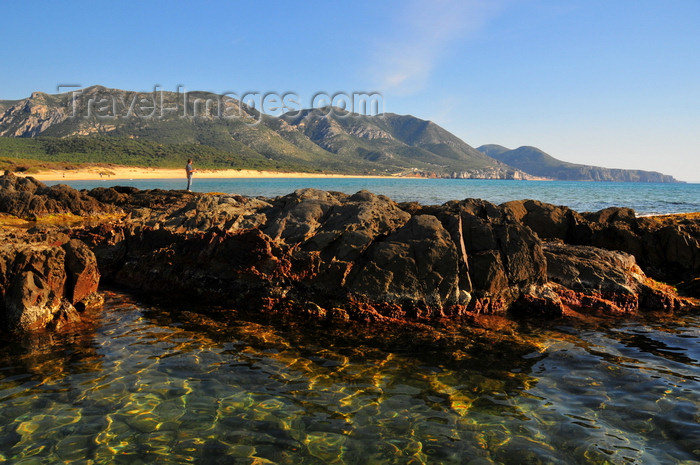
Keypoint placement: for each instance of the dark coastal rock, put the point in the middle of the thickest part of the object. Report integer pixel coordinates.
(25, 197)
(416, 265)
(45, 283)
(364, 257)
(130, 198)
(499, 257)
(182, 211)
(333, 256)
(611, 215)
(338, 247)
(611, 281)
(666, 247)
(547, 220)
(83, 276)
(690, 287)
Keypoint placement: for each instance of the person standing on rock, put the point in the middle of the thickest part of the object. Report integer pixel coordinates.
(189, 170)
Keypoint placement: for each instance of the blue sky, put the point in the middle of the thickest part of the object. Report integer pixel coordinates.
(613, 83)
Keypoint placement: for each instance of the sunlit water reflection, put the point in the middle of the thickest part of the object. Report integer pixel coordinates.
(140, 387)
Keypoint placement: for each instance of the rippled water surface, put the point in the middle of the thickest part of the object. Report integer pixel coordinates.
(644, 198)
(140, 386)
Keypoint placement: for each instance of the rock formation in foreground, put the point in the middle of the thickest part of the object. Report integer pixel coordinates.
(46, 281)
(333, 256)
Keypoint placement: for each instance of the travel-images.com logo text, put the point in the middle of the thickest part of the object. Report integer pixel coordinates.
(249, 107)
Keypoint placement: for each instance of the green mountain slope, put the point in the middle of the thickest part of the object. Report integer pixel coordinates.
(158, 128)
(393, 142)
(538, 163)
(493, 150)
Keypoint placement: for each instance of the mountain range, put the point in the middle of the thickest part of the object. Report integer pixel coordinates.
(102, 125)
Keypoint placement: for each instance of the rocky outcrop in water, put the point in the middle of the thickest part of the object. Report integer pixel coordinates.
(365, 257)
(666, 247)
(333, 256)
(611, 281)
(357, 256)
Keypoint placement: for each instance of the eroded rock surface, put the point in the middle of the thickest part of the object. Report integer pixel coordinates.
(329, 255)
(366, 257)
(605, 280)
(45, 282)
(666, 247)
(25, 197)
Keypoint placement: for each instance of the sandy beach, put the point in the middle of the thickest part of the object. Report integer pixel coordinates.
(124, 172)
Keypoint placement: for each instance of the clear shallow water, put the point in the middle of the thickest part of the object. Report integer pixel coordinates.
(143, 387)
(644, 198)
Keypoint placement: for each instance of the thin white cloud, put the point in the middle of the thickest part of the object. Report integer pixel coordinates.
(417, 39)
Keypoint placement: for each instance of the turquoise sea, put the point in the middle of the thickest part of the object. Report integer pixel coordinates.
(151, 383)
(644, 198)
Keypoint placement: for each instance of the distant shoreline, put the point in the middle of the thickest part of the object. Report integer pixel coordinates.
(126, 173)
(130, 173)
